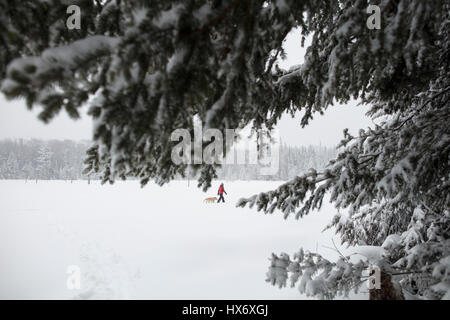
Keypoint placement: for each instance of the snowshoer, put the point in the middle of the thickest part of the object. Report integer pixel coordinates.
(220, 193)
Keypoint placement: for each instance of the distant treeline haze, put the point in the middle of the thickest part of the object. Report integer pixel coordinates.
(63, 160)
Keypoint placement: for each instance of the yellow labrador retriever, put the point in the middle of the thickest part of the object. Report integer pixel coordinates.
(210, 200)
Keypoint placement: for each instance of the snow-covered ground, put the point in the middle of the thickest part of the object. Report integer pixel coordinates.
(145, 243)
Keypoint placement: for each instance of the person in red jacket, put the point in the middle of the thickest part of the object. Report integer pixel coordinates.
(220, 193)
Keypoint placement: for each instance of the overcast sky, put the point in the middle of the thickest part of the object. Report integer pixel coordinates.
(18, 122)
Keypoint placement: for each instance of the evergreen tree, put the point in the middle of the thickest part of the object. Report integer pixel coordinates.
(2, 167)
(151, 66)
(12, 167)
(28, 171)
(44, 169)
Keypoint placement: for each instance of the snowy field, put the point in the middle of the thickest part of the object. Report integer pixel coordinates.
(145, 243)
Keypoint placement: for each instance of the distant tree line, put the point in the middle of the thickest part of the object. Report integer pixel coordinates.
(293, 161)
(63, 160)
(42, 160)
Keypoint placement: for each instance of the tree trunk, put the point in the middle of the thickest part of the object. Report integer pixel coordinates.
(387, 291)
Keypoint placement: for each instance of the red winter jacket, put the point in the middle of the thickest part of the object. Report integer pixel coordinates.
(221, 190)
